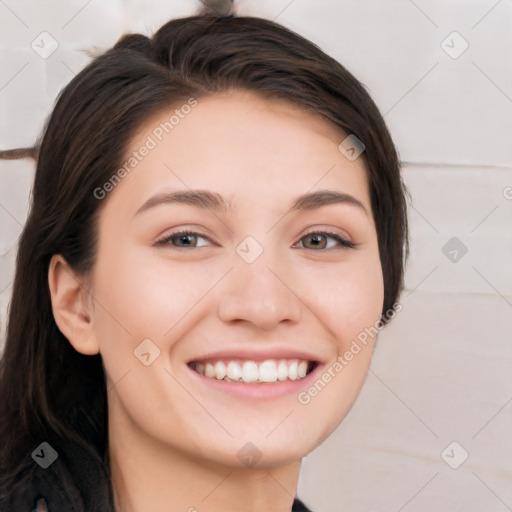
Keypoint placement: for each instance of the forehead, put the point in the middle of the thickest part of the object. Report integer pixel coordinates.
(244, 145)
(249, 110)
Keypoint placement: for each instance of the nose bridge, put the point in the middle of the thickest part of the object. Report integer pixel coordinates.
(256, 290)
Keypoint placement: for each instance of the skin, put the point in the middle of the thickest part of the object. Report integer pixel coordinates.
(174, 440)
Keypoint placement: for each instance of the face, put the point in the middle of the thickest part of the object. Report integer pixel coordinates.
(260, 275)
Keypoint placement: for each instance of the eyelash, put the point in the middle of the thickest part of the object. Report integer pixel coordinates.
(344, 243)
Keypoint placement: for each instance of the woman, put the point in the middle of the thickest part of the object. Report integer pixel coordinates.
(217, 233)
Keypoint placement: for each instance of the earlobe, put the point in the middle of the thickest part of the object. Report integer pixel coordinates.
(71, 306)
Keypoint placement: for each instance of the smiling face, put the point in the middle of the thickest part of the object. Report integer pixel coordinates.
(276, 273)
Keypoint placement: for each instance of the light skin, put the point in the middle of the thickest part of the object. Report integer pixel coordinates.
(174, 438)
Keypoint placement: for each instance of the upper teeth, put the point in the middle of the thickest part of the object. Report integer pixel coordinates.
(254, 371)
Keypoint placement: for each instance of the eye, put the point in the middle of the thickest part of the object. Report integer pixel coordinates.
(187, 238)
(319, 240)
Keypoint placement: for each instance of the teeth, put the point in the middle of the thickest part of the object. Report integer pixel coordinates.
(292, 371)
(253, 371)
(268, 371)
(209, 371)
(250, 372)
(220, 370)
(282, 371)
(233, 370)
(302, 369)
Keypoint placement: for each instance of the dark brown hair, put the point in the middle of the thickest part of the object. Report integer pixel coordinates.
(50, 392)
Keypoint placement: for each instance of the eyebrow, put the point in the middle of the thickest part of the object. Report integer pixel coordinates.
(213, 201)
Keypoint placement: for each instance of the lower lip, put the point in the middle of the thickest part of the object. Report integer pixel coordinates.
(264, 390)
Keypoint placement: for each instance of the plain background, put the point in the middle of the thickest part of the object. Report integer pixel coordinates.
(439, 388)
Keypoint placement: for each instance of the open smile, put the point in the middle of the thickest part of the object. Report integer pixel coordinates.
(248, 371)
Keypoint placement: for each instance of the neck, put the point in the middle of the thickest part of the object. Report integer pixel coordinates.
(149, 476)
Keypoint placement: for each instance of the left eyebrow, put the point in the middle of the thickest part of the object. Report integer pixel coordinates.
(321, 198)
(206, 199)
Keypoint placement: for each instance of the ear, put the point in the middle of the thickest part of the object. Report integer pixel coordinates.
(71, 306)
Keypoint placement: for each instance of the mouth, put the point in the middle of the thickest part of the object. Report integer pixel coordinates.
(248, 371)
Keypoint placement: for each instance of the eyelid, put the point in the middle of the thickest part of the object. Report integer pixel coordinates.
(328, 231)
(343, 241)
(165, 238)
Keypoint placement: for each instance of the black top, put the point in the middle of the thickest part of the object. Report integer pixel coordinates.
(74, 482)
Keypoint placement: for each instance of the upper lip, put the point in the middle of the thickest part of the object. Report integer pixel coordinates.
(257, 355)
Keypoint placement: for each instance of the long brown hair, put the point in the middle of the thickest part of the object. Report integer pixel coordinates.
(50, 392)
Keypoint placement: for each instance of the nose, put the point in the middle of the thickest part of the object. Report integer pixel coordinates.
(260, 293)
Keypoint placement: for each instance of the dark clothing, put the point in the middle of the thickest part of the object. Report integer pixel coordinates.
(74, 482)
(298, 506)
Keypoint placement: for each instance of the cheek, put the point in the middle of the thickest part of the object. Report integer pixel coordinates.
(350, 304)
(139, 297)
(361, 311)
(349, 297)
